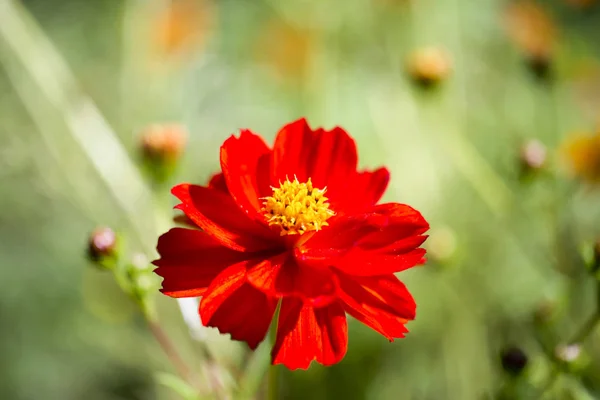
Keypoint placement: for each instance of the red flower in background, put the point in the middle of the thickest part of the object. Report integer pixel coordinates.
(297, 224)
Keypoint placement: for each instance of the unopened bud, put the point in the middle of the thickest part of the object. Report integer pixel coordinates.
(532, 157)
(514, 360)
(568, 353)
(428, 66)
(141, 278)
(102, 247)
(163, 142)
(573, 357)
(540, 66)
(161, 147)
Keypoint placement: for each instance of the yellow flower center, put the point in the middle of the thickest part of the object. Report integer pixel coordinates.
(297, 207)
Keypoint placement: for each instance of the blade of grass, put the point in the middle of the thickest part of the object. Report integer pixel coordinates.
(24, 45)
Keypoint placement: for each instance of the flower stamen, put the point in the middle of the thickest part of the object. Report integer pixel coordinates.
(297, 207)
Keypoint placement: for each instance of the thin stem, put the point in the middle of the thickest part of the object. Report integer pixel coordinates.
(592, 322)
(273, 380)
(587, 329)
(554, 375)
(171, 352)
(273, 383)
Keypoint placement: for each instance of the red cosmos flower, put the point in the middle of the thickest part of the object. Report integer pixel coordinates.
(268, 234)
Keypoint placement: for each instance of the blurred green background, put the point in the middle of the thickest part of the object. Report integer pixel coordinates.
(79, 81)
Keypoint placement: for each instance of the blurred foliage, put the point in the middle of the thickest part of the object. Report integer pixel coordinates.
(501, 246)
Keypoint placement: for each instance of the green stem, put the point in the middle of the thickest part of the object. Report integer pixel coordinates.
(273, 383)
(273, 380)
(171, 352)
(590, 325)
(587, 329)
(580, 336)
(554, 375)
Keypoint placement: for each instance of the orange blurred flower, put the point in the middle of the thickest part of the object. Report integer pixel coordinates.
(531, 29)
(286, 48)
(164, 142)
(182, 23)
(429, 65)
(582, 155)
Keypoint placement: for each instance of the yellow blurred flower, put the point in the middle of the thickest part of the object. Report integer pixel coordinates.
(531, 29)
(582, 156)
(287, 49)
(182, 24)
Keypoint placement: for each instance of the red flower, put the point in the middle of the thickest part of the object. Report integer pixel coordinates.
(268, 233)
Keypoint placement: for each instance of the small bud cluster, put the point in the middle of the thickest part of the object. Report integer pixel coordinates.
(134, 277)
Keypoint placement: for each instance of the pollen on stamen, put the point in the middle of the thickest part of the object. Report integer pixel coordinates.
(297, 207)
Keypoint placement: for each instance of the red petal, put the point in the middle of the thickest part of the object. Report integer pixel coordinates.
(190, 260)
(305, 333)
(383, 241)
(364, 191)
(285, 275)
(329, 158)
(380, 302)
(235, 307)
(245, 161)
(217, 214)
(218, 182)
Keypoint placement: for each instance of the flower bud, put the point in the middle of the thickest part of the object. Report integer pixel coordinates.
(514, 360)
(161, 147)
(532, 157)
(428, 66)
(540, 65)
(567, 353)
(102, 247)
(141, 279)
(534, 33)
(164, 142)
(573, 357)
